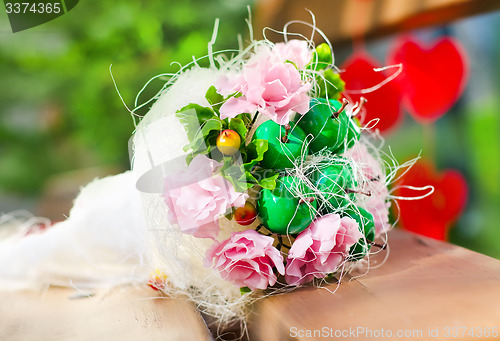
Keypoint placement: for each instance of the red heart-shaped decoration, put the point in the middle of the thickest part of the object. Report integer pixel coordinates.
(433, 215)
(433, 77)
(383, 103)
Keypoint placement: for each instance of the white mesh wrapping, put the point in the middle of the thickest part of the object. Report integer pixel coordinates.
(157, 152)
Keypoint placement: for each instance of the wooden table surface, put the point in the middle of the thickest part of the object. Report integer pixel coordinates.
(426, 288)
(123, 314)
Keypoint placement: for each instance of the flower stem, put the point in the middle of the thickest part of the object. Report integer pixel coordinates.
(362, 102)
(344, 104)
(381, 246)
(253, 120)
(349, 190)
(284, 139)
(308, 199)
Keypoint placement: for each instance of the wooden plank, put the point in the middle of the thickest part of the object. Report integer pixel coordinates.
(343, 20)
(123, 314)
(425, 287)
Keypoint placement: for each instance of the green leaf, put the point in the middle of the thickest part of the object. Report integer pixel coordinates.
(230, 213)
(270, 182)
(203, 113)
(255, 152)
(214, 98)
(243, 176)
(242, 179)
(237, 179)
(265, 178)
(201, 139)
(246, 118)
(245, 290)
(190, 123)
(189, 158)
(250, 179)
(238, 126)
(192, 116)
(202, 129)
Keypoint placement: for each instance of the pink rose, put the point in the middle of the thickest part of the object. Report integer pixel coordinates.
(268, 85)
(247, 259)
(321, 248)
(296, 51)
(373, 180)
(197, 198)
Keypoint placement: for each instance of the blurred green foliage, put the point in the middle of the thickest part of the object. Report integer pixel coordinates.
(478, 229)
(58, 106)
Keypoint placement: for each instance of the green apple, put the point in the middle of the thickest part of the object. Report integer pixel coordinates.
(327, 126)
(353, 134)
(367, 225)
(336, 182)
(286, 144)
(281, 210)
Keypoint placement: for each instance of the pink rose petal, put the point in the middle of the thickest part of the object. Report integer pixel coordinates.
(321, 248)
(269, 85)
(196, 199)
(247, 259)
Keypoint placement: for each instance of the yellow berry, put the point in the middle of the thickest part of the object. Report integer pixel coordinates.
(228, 142)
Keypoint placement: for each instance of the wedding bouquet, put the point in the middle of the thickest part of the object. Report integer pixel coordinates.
(257, 174)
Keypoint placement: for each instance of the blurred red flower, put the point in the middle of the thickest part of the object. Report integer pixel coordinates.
(383, 103)
(433, 215)
(433, 77)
